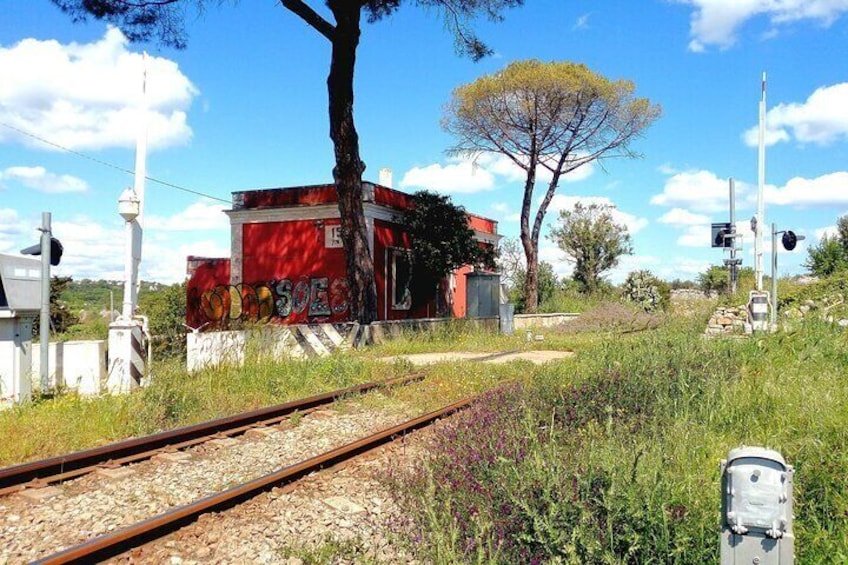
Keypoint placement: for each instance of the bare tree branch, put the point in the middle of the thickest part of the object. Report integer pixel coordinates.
(311, 17)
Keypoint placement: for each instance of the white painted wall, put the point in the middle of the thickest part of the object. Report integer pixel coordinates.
(79, 366)
(15, 359)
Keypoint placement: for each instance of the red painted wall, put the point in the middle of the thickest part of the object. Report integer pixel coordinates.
(289, 275)
(284, 197)
(484, 225)
(308, 280)
(205, 305)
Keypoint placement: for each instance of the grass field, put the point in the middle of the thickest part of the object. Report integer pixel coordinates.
(614, 458)
(608, 457)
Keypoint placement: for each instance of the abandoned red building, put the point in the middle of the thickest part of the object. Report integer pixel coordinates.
(287, 263)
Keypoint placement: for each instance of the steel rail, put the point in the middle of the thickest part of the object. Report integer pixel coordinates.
(120, 541)
(63, 467)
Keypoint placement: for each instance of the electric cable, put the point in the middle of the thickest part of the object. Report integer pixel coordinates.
(111, 165)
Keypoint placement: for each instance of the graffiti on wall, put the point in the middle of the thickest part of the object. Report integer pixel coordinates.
(316, 297)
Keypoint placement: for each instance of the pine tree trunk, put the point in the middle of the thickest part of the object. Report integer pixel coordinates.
(531, 281)
(349, 167)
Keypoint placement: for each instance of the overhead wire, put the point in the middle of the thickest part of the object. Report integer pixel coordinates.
(111, 165)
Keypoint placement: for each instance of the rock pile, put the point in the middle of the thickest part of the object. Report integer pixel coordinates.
(729, 320)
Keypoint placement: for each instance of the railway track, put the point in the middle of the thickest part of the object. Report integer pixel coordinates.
(126, 538)
(37, 474)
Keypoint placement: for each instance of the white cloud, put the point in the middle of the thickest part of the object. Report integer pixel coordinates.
(11, 230)
(95, 250)
(204, 215)
(91, 250)
(828, 231)
(38, 178)
(633, 223)
(465, 175)
(459, 176)
(826, 190)
(679, 217)
(506, 213)
(822, 119)
(715, 22)
(582, 21)
(695, 236)
(699, 191)
(85, 96)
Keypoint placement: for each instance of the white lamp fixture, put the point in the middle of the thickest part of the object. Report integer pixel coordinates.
(129, 205)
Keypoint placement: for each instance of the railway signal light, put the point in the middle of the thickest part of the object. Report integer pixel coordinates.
(56, 250)
(790, 239)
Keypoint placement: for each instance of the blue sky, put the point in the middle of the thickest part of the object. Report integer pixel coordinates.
(244, 106)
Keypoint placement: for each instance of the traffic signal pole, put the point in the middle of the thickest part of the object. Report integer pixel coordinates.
(44, 322)
(773, 320)
(734, 273)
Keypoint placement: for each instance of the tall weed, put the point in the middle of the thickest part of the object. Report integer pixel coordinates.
(613, 458)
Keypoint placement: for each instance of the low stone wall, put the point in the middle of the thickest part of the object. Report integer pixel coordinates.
(527, 321)
(729, 320)
(691, 295)
(78, 366)
(384, 331)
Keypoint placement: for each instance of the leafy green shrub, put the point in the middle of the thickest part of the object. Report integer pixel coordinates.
(830, 293)
(646, 290)
(549, 285)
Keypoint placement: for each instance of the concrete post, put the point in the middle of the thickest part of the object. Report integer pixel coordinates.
(44, 320)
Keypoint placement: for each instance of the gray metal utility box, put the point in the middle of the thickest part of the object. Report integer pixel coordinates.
(482, 298)
(20, 303)
(756, 508)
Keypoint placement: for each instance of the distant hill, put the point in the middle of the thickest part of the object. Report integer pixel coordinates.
(87, 298)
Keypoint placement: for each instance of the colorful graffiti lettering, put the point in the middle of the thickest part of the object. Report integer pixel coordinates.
(261, 302)
(319, 297)
(339, 296)
(300, 295)
(284, 298)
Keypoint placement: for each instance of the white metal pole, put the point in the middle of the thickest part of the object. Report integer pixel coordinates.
(44, 321)
(733, 269)
(128, 304)
(137, 227)
(761, 180)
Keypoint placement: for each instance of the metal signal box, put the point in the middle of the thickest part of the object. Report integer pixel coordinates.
(20, 302)
(756, 508)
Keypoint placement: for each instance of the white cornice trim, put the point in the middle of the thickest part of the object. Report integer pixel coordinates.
(296, 213)
(383, 213)
(487, 237)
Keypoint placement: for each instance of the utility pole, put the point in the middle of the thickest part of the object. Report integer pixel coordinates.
(789, 240)
(44, 321)
(761, 180)
(126, 335)
(734, 262)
